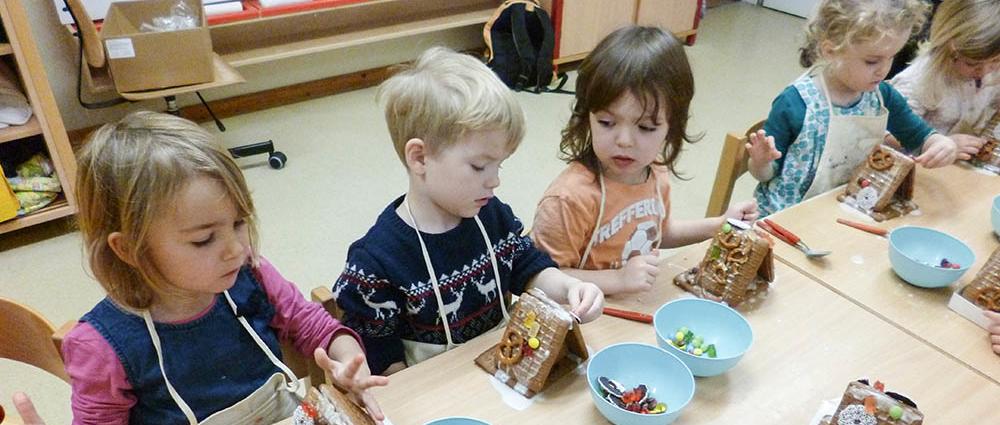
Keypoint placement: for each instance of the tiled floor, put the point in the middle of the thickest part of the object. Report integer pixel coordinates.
(342, 172)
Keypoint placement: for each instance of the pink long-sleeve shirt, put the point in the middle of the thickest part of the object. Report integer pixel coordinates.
(101, 391)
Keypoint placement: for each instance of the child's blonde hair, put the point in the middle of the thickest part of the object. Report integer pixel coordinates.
(966, 28)
(129, 173)
(645, 61)
(444, 95)
(848, 22)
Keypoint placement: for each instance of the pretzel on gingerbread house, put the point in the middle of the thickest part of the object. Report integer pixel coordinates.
(882, 186)
(737, 266)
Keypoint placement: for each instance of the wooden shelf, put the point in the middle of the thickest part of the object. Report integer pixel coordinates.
(279, 37)
(6, 49)
(17, 132)
(58, 209)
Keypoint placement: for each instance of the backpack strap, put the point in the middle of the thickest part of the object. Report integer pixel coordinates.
(543, 63)
(522, 44)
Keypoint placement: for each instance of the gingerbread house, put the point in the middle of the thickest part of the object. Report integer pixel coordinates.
(737, 266)
(984, 291)
(541, 343)
(328, 406)
(865, 404)
(882, 186)
(988, 157)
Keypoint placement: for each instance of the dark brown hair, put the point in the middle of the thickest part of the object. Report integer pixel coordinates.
(645, 61)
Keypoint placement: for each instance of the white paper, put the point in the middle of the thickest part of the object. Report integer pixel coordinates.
(119, 48)
(968, 310)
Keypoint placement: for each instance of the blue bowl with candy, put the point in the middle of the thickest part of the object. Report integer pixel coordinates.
(457, 420)
(709, 337)
(928, 258)
(629, 378)
(995, 215)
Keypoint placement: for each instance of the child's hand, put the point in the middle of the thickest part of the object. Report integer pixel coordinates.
(939, 151)
(26, 409)
(761, 147)
(994, 329)
(349, 377)
(743, 211)
(639, 273)
(968, 146)
(586, 301)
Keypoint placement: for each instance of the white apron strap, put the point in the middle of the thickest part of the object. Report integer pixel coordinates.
(293, 386)
(434, 280)
(600, 217)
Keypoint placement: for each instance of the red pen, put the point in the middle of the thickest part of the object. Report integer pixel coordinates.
(630, 315)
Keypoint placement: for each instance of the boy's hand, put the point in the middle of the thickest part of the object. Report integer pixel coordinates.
(26, 409)
(940, 151)
(639, 273)
(743, 211)
(586, 301)
(994, 329)
(761, 147)
(968, 146)
(347, 376)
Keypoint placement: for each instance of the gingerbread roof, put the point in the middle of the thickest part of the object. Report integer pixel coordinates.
(737, 264)
(541, 343)
(989, 155)
(984, 290)
(889, 172)
(863, 404)
(330, 407)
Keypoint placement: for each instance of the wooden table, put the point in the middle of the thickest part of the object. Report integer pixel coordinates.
(953, 199)
(809, 343)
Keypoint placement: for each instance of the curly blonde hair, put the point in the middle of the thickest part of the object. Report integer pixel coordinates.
(963, 28)
(129, 173)
(848, 22)
(648, 62)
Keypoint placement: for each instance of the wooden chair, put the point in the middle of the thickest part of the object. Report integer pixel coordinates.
(27, 337)
(732, 165)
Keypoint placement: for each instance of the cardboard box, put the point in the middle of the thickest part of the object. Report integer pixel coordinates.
(154, 60)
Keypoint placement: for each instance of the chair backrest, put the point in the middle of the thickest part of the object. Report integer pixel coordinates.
(732, 165)
(26, 337)
(93, 51)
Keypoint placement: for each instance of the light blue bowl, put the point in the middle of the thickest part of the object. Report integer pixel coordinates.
(632, 364)
(716, 323)
(995, 215)
(915, 253)
(457, 420)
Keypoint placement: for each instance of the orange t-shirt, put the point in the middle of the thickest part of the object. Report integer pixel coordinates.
(567, 214)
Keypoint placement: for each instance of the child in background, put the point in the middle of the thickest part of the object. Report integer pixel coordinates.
(190, 329)
(825, 124)
(954, 84)
(436, 268)
(605, 216)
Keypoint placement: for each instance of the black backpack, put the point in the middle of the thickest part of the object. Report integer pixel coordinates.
(520, 43)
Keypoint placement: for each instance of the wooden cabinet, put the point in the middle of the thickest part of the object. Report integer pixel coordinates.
(21, 53)
(581, 24)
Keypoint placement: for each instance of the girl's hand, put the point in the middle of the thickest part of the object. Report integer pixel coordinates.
(350, 377)
(968, 146)
(743, 211)
(938, 152)
(761, 148)
(640, 272)
(26, 409)
(586, 301)
(994, 330)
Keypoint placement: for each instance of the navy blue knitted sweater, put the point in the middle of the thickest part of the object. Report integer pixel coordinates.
(386, 293)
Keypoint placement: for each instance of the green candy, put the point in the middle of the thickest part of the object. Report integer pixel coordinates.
(688, 336)
(698, 341)
(716, 252)
(711, 351)
(895, 412)
(726, 228)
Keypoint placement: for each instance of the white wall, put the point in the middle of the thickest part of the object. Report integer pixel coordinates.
(59, 54)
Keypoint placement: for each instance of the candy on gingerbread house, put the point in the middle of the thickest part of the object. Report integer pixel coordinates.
(737, 266)
(541, 343)
(988, 157)
(865, 404)
(328, 406)
(882, 186)
(982, 294)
